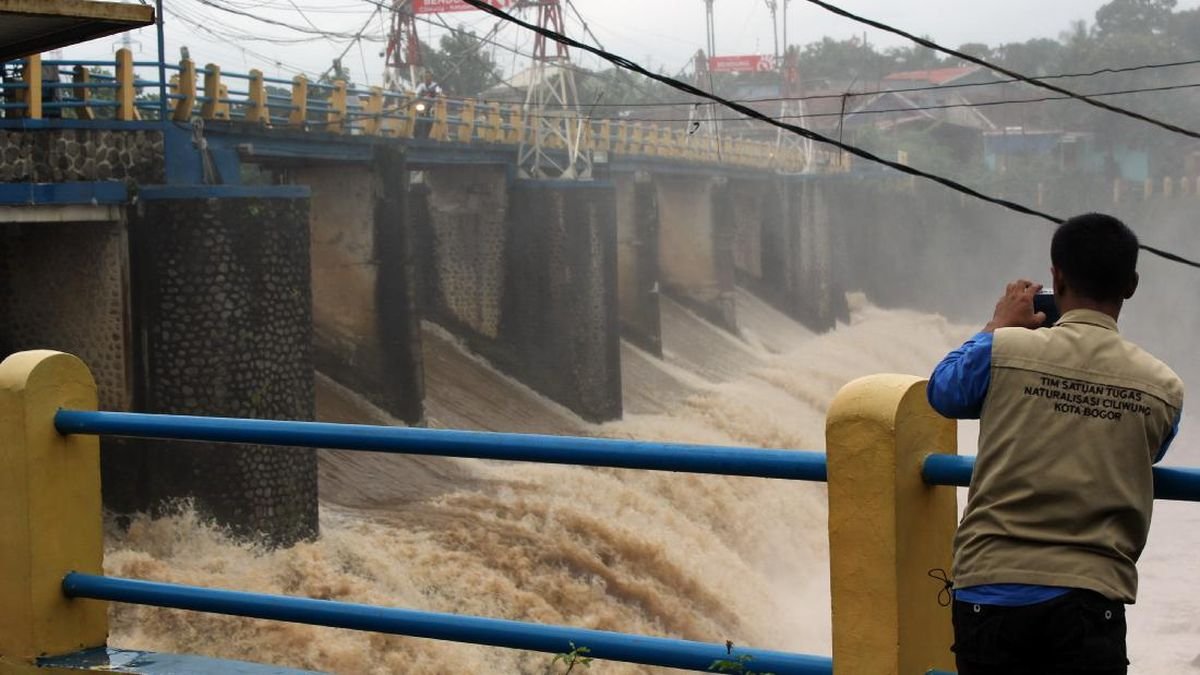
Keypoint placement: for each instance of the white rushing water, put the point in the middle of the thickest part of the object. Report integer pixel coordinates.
(704, 558)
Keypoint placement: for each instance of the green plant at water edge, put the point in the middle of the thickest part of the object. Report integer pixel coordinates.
(578, 656)
(739, 665)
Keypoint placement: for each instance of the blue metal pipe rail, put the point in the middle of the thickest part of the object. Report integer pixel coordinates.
(651, 651)
(783, 464)
(1170, 483)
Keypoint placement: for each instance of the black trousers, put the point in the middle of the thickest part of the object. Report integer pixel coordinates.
(1080, 632)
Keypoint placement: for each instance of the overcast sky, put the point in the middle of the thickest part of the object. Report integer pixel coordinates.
(663, 33)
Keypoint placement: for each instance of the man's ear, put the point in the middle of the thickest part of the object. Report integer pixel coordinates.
(1059, 281)
(1133, 286)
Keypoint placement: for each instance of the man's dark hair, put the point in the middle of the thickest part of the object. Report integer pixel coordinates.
(1098, 256)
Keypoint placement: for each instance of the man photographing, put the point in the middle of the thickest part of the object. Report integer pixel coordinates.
(1072, 418)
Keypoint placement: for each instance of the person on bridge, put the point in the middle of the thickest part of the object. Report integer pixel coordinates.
(429, 89)
(1072, 418)
(427, 92)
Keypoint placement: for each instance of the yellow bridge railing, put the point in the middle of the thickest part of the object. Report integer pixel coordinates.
(114, 90)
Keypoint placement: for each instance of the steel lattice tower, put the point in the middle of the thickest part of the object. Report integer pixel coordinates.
(554, 144)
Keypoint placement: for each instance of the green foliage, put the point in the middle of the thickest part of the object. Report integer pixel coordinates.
(1137, 17)
(739, 665)
(462, 64)
(578, 656)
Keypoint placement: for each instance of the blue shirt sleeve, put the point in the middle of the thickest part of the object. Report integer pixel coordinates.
(960, 382)
(1162, 452)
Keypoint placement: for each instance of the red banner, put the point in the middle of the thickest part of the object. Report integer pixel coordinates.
(440, 6)
(749, 63)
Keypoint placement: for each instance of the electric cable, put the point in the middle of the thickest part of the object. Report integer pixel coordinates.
(623, 62)
(930, 44)
(916, 108)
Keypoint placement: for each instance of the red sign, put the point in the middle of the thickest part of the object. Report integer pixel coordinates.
(439, 6)
(750, 63)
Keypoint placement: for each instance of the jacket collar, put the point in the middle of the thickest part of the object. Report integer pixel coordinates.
(1090, 317)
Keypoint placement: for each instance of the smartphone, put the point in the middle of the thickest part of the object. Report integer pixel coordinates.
(1044, 302)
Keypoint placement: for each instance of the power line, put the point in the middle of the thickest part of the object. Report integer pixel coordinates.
(934, 87)
(275, 22)
(924, 42)
(944, 106)
(623, 62)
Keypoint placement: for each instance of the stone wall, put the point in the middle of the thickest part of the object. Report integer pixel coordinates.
(365, 316)
(467, 208)
(637, 261)
(66, 155)
(63, 287)
(527, 276)
(695, 247)
(223, 319)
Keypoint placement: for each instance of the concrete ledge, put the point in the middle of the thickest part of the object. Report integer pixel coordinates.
(112, 660)
(160, 192)
(29, 194)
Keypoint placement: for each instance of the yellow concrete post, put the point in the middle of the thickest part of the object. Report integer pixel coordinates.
(82, 92)
(440, 131)
(31, 75)
(186, 89)
(495, 133)
(1148, 189)
(336, 117)
(408, 127)
(1168, 187)
(50, 519)
(299, 115)
(126, 110)
(887, 529)
(466, 126)
(212, 91)
(373, 123)
(516, 123)
(257, 111)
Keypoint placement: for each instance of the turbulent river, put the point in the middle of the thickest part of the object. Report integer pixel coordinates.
(703, 558)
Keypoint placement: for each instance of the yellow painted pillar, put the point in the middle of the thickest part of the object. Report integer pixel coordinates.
(335, 119)
(126, 93)
(187, 89)
(82, 91)
(298, 117)
(31, 75)
(257, 111)
(887, 529)
(50, 519)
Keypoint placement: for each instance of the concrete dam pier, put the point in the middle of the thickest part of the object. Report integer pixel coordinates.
(216, 280)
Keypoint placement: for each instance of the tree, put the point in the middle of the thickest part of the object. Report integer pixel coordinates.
(1139, 17)
(850, 59)
(978, 50)
(460, 65)
(1039, 56)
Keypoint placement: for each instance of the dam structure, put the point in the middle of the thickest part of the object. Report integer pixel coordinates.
(297, 373)
(208, 262)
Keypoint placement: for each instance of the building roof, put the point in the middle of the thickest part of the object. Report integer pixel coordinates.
(33, 26)
(933, 76)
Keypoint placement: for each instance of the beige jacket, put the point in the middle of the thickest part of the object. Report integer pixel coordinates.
(1062, 491)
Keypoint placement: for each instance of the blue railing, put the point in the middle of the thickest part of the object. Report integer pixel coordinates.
(607, 645)
(644, 650)
(1170, 483)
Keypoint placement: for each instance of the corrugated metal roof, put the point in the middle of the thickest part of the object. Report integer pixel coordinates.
(32, 26)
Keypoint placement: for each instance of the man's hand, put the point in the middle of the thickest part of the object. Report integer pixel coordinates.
(1015, 308)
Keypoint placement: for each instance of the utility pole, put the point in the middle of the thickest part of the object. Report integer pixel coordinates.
(712, 30)
(773, 5)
